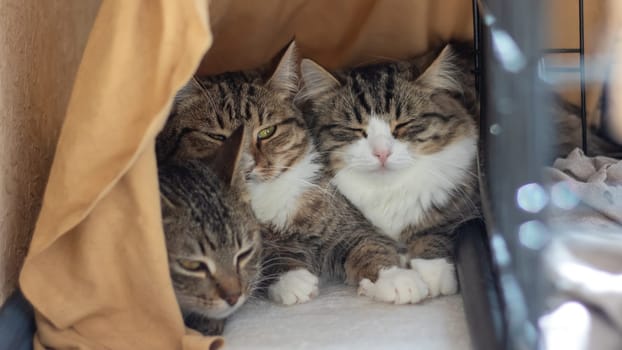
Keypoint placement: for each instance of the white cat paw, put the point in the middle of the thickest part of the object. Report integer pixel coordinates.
(438, 274)
(294, 287)
(395, 285)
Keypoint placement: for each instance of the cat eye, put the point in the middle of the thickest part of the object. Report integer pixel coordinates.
(412, 129)
(360, 131)
(266, 133)
(192, 265)
(217, 137)
(243, 256)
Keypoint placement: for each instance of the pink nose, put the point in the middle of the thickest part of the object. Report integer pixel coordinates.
(382, 155)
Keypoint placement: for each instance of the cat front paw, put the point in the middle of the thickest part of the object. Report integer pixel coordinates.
(294, 287)
(438, 274)
(395, 285)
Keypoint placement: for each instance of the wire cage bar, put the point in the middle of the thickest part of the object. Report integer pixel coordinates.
(582, 80)
(503, 28)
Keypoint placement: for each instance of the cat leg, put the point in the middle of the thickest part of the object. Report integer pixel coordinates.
(289, 277)
(204, 325)
(431, 258)
(373, 262)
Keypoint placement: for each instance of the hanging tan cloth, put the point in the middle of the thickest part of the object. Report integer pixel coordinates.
(96, 271)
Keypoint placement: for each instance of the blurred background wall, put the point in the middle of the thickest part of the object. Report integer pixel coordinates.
(41, 43)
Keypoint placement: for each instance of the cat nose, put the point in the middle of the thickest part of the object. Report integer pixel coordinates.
(232, 298)
(382, 154)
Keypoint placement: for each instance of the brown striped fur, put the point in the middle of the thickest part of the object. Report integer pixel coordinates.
(206, 222)
(323, 233)
(428, 102)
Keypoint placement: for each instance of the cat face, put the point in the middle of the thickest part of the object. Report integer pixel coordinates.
(212, 237)
(213, 267)
(380, 121)
(207, 111)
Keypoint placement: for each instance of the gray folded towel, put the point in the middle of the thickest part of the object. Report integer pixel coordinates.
(597, 183)
(584, 257)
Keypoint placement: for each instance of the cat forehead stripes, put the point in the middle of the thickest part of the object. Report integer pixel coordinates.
(209, 108)
(399, 137)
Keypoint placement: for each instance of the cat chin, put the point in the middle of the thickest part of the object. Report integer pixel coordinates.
(388, 174)
(388, 170)
(222, 310)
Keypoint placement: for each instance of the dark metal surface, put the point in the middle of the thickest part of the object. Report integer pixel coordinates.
(515, 134)
(17, 324)
(478, 287)
(476, 44)
(582, 82)
(552, 51)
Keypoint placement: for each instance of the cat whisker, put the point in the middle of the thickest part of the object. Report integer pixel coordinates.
(445, 163)
(460, 190)
(276, 167)
(333, 152)
(318, 187)
(283, 263)
(201, 87)
(279, 263)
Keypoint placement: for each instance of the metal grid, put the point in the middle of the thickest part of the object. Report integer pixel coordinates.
(477, 30)
(514, 142)
(515, 133)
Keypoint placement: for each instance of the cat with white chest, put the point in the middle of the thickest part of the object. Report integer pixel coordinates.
(312, 230)
(401, 144)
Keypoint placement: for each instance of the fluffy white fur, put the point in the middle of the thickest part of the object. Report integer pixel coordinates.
(395, 285)
(438, 274)
(398, 194)
(276, 201)
(294, 287)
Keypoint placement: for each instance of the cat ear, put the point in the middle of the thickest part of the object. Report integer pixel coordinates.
(227, 160)
(168, 209)
(284, 79)
(443, 72)
(316, 80)
(191, 88)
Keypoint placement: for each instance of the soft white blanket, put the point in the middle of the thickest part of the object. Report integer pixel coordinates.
(339, 319)
(596, 182)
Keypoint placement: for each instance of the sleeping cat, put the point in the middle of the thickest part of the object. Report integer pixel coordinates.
(212, 237)
(401, 145)
(401, 138)
(312, 230)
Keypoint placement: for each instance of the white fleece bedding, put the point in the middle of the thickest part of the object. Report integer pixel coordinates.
(339, 319)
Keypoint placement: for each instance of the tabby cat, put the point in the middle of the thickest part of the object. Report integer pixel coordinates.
(401, 144)
(312, 230)
(400, 141)
(212, 237)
